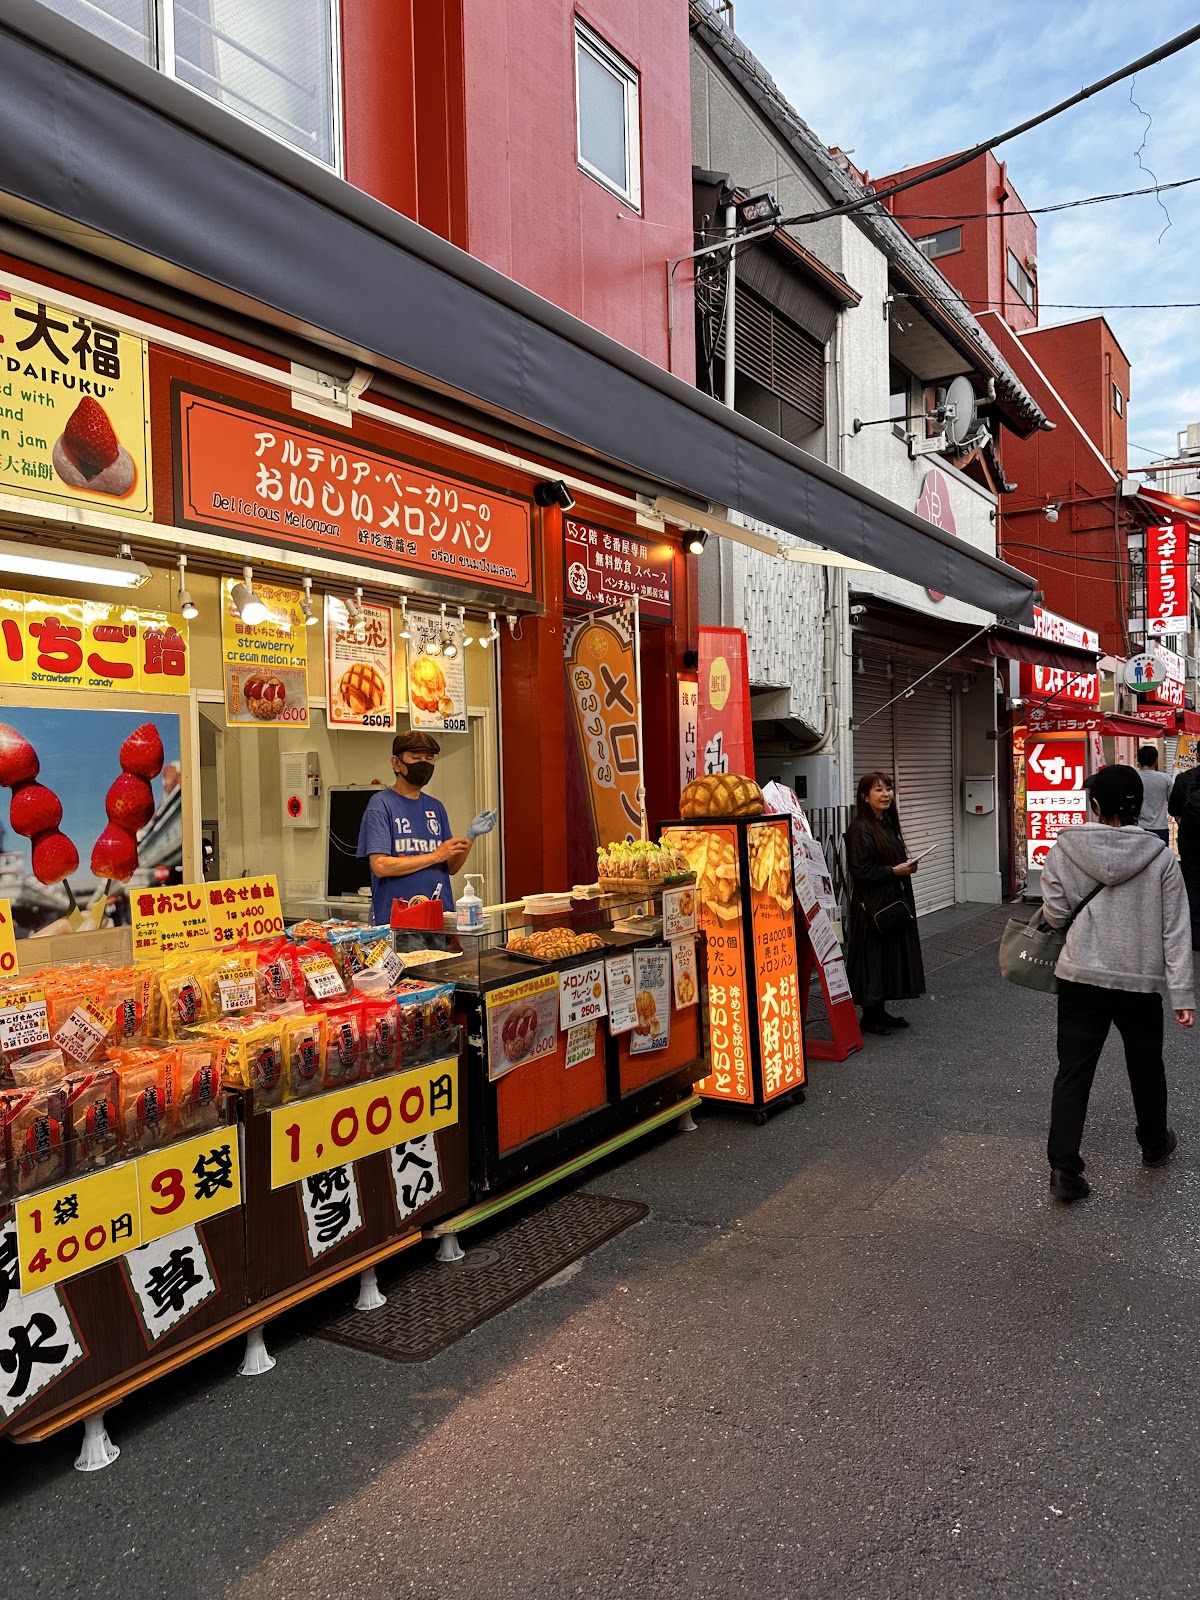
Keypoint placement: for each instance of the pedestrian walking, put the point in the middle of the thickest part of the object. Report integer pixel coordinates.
(1126, 948)
(1185, 805)
(883, 955)
(1156, 792)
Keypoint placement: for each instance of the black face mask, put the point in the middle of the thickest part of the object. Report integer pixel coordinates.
(418, 773)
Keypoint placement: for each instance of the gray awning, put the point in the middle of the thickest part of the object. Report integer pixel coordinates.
(143, 171)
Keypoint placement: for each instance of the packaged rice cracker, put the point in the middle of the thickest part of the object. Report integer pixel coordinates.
(198, 1086)
(344, 1045)
(127, 994)
(185, 997)
(277, 974)
(304, 1035)
(94, 1128)
(142, 1102)
(381, 1031)
(41, 1069)
(35, 1122)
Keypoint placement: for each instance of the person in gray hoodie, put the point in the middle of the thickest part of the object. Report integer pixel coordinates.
(1126, 949)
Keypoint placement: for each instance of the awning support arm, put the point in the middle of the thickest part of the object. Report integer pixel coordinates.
(913, 687)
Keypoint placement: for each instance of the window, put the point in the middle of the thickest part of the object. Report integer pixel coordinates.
(778, 356)
(899, 395)
(1118, 401)
(946, 242)
(1020, 280)
(273, 62)
(607, 104)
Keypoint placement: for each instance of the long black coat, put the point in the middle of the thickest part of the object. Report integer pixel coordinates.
(879, 969)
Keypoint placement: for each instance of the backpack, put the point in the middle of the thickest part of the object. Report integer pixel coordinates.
(1190, 812)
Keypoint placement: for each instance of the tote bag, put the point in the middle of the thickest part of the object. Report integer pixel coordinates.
(1029, 951)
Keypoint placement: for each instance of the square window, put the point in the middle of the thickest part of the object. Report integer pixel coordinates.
(1020, 280)
(946, 242)
(607, 104)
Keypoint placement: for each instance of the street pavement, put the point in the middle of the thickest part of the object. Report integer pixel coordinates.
(857, 1352)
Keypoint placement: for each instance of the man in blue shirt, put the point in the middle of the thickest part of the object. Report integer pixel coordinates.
(406, 834)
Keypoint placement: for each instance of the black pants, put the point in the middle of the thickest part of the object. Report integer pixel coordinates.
(1189, 860)
(1085, 1014)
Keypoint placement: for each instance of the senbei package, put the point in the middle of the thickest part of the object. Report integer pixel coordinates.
(142, 1098)
(198, 1085)
(35, 1126)
(94, 1132)
(343, 1043)
(303, 1051)
(381, 1030)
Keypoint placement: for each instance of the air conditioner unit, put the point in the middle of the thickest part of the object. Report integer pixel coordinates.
(1031, 263)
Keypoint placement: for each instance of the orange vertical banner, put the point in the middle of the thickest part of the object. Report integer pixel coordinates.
(724, 738)
(602, 679)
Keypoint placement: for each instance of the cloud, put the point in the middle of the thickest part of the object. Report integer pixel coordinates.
(898, 90)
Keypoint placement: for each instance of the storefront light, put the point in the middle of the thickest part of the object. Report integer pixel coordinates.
(249, 607)
(448, 647)
(183, 600)
(404, 631)
(462, 627)
(493, 632)
(109, 572)
(310, 615)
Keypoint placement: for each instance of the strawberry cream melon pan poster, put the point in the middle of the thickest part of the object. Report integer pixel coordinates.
(91, 806)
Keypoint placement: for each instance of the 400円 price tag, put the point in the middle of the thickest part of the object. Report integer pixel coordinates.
(331, 1130)
(84, 1222)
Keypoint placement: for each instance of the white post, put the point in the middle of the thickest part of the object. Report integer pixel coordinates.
(257, 1360)
(98, 1449)
(370, 1296)
(730, 310)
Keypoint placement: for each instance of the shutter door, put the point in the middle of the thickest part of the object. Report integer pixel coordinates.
(925, 788)
(913, 740)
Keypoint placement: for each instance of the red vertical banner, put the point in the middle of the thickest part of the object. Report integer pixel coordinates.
(1055, 766)
(1167, 579)
(725, 742)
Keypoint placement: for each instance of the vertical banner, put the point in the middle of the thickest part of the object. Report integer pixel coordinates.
(602, 681)
(776, 967)
(688, 699)
(437, 684)
(1055, 765)
(360, 684)
(265, 666)
(724, 738)
(1167, 579)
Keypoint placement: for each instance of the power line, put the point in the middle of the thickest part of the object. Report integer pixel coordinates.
(1038, 211)
(1057, 305)
(953, 163)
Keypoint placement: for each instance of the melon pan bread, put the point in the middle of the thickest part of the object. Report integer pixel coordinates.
(721, 794)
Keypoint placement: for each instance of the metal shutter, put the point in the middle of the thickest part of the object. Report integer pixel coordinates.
(775, 353)
(913, 740)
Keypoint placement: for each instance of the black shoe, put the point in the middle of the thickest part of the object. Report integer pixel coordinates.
(874, 1025)
(894, 1022)
(1068, 1186)
(1164, 1155)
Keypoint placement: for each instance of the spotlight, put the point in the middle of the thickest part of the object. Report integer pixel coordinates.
(446, 642)
(553, 492)
(354, 608)
(462, 623)
(404, 633)
(760, 208)
(310, 615)
(493, 632)
(249, 607)
(695, 542)
(1052, 510)
(183, 599)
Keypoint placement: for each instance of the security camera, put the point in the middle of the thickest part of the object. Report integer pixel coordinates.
(858, 611)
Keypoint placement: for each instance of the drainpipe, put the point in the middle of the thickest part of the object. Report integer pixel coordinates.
(730, 311)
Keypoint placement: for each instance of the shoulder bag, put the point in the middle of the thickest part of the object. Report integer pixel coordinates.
(893, 919)
(1029, 951)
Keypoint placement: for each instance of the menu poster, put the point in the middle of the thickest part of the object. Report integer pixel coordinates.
(780, 1015)
(522, 1020)
(437, 684)
(360, 679)
(581, 995)
(679, 911)
(622, 1010)
(683, 972)
(581, 1044)
(265, 666)
(652, 982)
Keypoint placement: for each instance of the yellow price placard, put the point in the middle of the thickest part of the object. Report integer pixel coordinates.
(333, 1129)
(187, 1183)
(8, 941)
(77, 1225)
(169, 919)
(242, 909)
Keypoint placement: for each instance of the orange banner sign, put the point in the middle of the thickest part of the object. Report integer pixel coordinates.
(258, 473)
(776, 972)
(91, 644)
(603, 685)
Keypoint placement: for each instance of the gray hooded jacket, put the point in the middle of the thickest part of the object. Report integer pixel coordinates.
(1136, 934)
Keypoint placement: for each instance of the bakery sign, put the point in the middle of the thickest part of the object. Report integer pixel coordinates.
(359, 668)
(265, 667)
(260, 474)
(604, 568)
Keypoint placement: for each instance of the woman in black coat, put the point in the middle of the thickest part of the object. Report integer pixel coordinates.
(881, 965)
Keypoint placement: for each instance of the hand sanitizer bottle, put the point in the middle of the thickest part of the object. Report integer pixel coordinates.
(469, 908)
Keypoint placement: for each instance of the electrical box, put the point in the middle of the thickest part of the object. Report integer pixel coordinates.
(979, 796)
(300, 781)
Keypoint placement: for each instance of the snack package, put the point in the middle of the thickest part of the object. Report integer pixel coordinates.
(344, 1045)
(142, 1103)
(127, 995)
(35, 1122)
(352, 947)
(304, 1035)
(235, 984)
(94, 1126)
(198, 1086)
(41, 1069)
(254, 1055)
(426, 1017)
(277, 974)
(381, 1031)
(185, 997)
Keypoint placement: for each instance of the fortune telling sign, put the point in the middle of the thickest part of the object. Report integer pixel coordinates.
(602, 680)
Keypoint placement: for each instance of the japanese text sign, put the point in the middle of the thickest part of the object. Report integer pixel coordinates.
(776, 972)
(1170, 692)
(581, 994)
(622, 1010)
(91, 644)
(603, 568)
(74, 408)
(522, 1021)
(24, 1020)
(78, 1224)
(1167, 579)
(688, 705)
(724, 739)
(602, 680)
(360, 671)
(260, 474)
(1055, 767)
(356, 1122)
(197, 916)
(265, 666)
(8, 941)
(437, 684)
(652, 983)
(243, 908)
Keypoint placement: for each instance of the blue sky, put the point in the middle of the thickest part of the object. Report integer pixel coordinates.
(898, 87)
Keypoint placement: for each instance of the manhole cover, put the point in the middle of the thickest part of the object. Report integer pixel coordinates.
(432, 1306)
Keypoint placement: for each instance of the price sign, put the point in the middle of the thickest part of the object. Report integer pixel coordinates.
(329, 1130)
(581, 996)
(84, 1031)
(243, 908)
(382, 958)
(622, 996)
(581, 1044)
(77, 1225)
(8, 941)
(185, 1184)
(23, 1020)
(237, 992)
(167, 920)
(684, 981)
(321, 977)
(679, 911)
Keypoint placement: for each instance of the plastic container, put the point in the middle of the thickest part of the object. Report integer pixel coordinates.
(468, 913)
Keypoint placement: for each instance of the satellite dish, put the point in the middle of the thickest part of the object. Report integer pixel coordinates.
(960, 411)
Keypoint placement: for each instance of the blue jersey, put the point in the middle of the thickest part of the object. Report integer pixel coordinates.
(394, 826)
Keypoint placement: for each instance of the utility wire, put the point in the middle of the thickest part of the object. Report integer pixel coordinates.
(965, 157)
(1056, 305)
(1039, 211)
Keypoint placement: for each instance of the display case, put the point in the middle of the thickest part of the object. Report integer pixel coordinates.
(581, 1015)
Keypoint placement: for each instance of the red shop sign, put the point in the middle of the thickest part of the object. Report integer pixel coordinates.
(1167, 578)
(258, 473)
(604, 568)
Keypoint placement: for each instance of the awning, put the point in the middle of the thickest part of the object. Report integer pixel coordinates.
(931, 638)
(1190, 722)
(1165, 507)
(1116, 726)
(1009, 644)
(116, 160)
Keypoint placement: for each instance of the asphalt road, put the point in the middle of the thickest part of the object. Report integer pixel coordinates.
(858, 1352)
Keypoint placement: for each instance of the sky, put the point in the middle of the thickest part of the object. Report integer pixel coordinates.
(899, 87)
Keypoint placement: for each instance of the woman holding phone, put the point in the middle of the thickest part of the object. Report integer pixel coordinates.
(883, 955)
